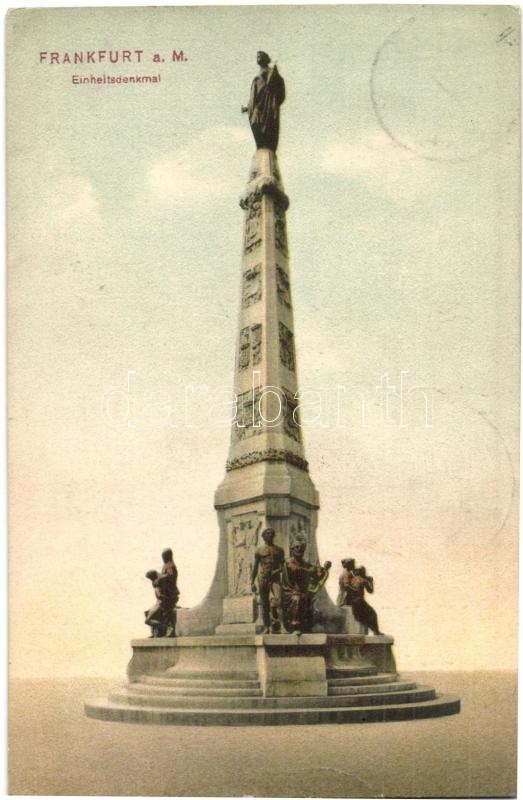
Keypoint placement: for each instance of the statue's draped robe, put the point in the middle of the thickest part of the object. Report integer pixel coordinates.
(352, 593)
(300, 582)
(155, 615)
(168, 582)
(267, 95)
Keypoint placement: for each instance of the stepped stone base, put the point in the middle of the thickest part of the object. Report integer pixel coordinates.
(267, 680)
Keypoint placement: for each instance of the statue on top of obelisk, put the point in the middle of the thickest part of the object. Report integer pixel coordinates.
(267, 95)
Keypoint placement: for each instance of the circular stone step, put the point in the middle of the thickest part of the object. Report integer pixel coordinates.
(392, 686)
(144, 688)
(200, 691)
(108, 711)
(203, 683)
(235, 675)
(364, 680)
(349, 672)
(122, 697)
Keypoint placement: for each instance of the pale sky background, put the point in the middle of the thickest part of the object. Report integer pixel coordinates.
(399, 151)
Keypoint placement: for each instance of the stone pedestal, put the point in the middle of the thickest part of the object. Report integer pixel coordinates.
(267, 680)
(292, 666)
(351, 623)
(285, 664)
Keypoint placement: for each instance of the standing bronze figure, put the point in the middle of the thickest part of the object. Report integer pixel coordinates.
(168, 581)
(267, 95)
(268, 563)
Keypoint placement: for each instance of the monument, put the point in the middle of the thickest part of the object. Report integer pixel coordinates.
(232, 661)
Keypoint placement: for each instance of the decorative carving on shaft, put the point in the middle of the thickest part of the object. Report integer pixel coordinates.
(253, 226)
(272, 454)
(280, 232)
(248, 420)
(245, 349)
(283, 287)
(250, 344)
(287, 356)
(291, 422)
(256, 344)
(252, 287)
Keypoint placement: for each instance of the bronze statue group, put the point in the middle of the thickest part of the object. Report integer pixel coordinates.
(162, 616)
(286, 589)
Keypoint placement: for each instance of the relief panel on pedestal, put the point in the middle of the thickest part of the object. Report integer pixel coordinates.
(243, 537)
(299, 529)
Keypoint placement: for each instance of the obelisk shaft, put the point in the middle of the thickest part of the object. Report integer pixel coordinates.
(265, 376)
(267, 483)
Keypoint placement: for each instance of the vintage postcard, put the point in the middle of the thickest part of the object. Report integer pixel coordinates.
(263, 352)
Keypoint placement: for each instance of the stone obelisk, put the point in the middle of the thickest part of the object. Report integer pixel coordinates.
(267, 483)
(219, 670)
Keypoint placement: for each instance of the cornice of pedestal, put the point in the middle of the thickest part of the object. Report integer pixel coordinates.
(263, 479)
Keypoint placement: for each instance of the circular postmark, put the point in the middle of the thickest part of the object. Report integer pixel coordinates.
(444, 85)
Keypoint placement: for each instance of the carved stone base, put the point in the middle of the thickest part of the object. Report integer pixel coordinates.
(239, 629)
(239, 649)
(351, 623)
(267, 680)
(239, 609)
(348, 652)
(293, 666)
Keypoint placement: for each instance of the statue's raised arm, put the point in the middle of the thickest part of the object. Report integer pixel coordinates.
(267, 95)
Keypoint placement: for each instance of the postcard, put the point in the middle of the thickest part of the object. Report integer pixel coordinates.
(263, 389)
